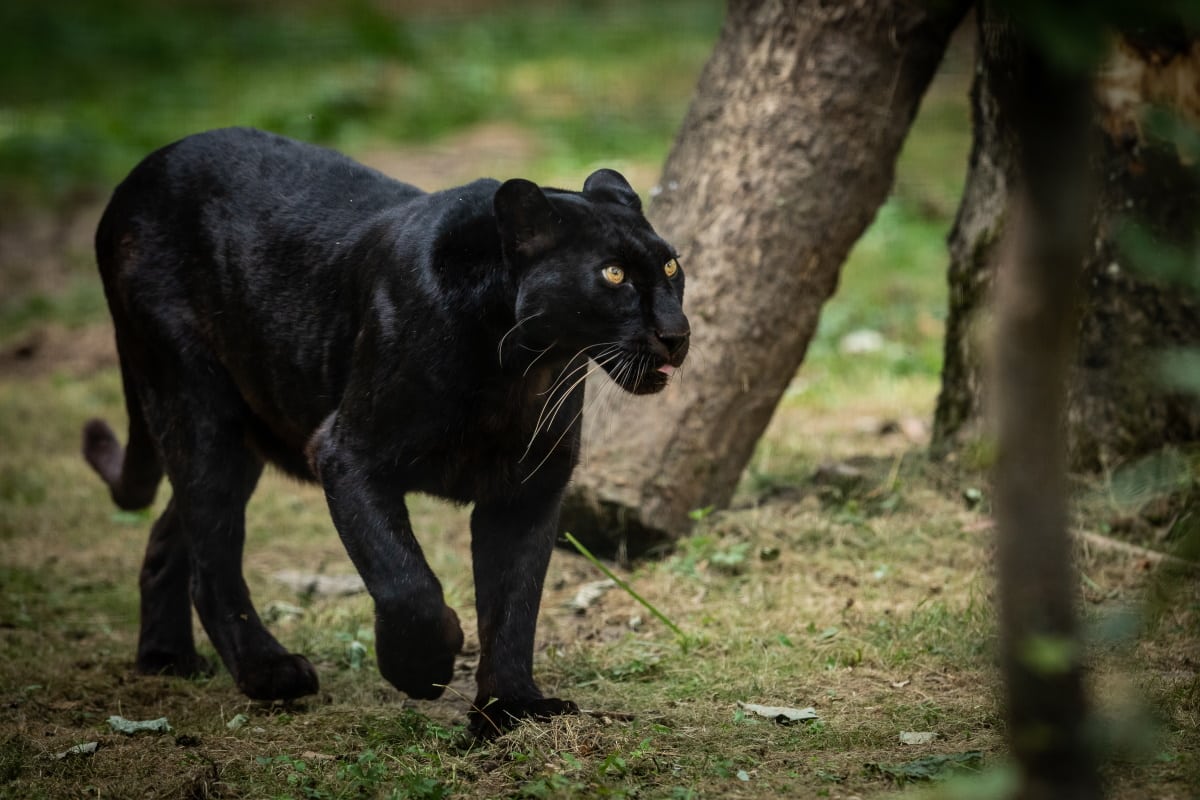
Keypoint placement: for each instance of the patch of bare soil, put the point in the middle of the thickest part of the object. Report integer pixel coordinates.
(55, 348)
(498, 150)
(39, 251)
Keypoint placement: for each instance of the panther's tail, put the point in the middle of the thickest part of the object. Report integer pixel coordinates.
(133, 472)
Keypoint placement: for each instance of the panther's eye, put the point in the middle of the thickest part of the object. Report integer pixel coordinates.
(671, 268)
(613, 274)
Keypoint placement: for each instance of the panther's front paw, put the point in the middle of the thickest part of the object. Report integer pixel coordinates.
(163, 662)
(419, 660)
(281, 676)
(491, 717)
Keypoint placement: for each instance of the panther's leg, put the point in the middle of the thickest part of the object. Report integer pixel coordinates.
(198, 417)
(417, 635)
(511, 543)
(165, 643)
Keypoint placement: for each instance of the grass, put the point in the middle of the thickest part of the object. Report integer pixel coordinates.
(863, 590)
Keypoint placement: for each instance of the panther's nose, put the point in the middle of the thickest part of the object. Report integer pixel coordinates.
(675, 341)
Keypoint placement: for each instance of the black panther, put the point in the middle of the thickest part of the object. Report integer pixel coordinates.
(278, 302)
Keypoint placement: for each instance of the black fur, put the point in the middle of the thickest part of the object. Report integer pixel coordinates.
(275, 301)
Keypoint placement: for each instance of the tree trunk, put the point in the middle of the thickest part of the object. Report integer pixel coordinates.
(1044, 121)
(1116, 409)
(785, 154)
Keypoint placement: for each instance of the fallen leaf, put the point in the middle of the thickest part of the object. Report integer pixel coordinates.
(129, 727)
(589, 594)
(928, 768)
(85, 749)
(972, 497)
(324, 585)
(278, 611)
(917, 737)
(781, 714)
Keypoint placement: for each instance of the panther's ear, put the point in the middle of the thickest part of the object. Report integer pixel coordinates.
(526, 219)
(610, 185)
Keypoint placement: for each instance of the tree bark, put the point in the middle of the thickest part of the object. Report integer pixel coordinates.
(785, 154)
(1044, 122)
(1116, 409)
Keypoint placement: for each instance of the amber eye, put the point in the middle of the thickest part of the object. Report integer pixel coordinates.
(671, 268)
(613, 274)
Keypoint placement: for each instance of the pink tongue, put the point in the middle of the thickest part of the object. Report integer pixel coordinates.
(666, 369)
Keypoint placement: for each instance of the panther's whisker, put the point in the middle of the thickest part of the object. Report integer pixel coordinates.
(643, 363)
(611, 355)
(567, 393)
(519, 323)
(569, 370)
(591, 404)
(570, 425)
(540, 353)
(607, 398)
(550, 421)
(568, 375)
(544, 421)
(549, 395)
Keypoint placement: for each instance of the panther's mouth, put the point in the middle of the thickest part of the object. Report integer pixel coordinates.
(640, 372)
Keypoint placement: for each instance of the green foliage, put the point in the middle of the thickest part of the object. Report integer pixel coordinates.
(1179, 370)
(708, 550)
(1157, 475)
(367, 775)
(91, 86)
(1077, 37)
(81, 302)
(1049, 656)
(928, 768)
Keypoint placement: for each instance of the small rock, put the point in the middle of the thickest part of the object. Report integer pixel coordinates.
(914, 429)
(917, 737)
(861, 342)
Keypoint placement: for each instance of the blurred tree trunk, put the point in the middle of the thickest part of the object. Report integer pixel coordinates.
(785, 154)
(1043, 115)
(1115, 410)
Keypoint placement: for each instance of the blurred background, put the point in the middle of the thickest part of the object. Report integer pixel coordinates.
(433, 93)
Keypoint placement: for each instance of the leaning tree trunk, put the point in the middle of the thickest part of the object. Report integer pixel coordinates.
(785, 155)
(1116, 409)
